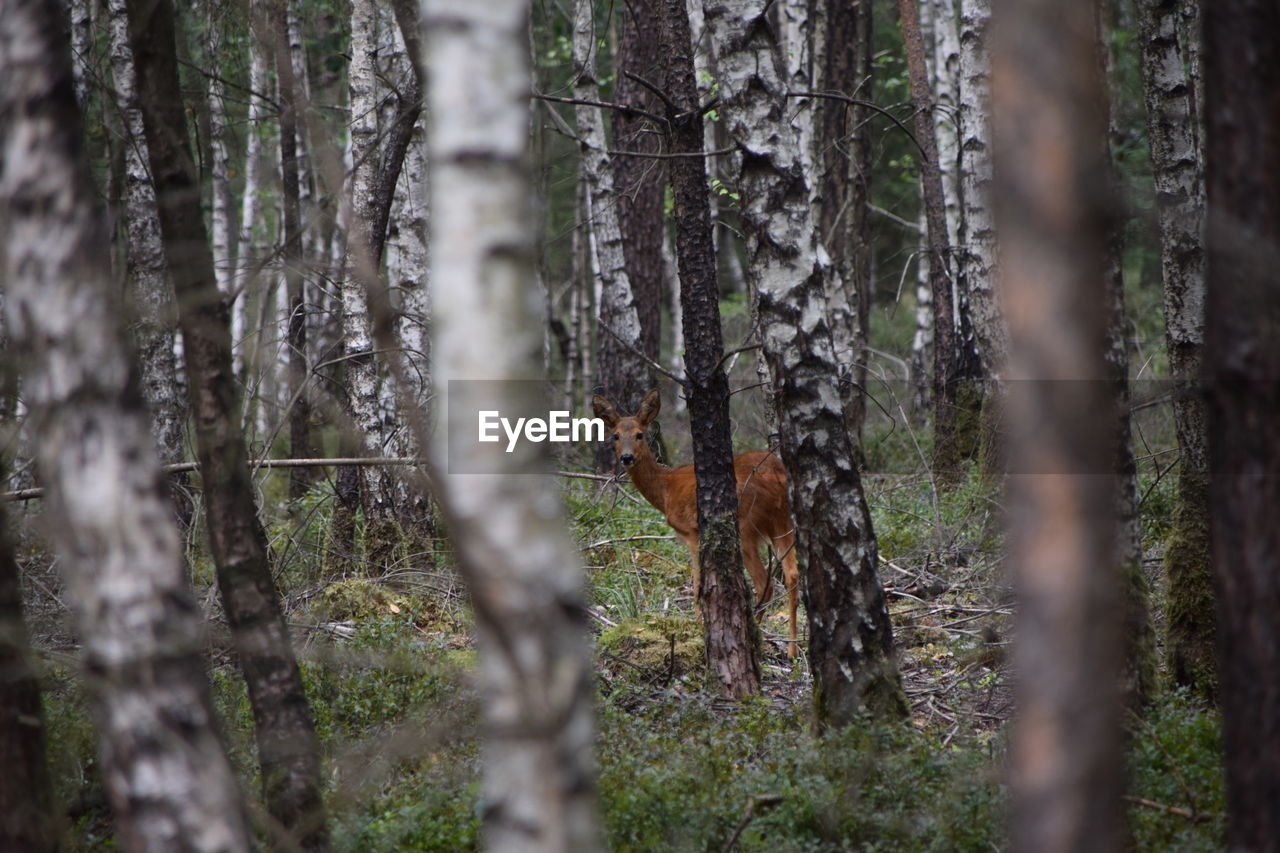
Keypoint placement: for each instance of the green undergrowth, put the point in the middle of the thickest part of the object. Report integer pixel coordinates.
(678, 773)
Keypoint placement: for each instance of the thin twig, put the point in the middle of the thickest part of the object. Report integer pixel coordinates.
(1189, 814)
(583, 102)
(858, 102)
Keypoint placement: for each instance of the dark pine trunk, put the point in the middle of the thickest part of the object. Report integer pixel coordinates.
(26, 797)
(286, 737)
(730, 630)
(640, 180)
(1242, 360)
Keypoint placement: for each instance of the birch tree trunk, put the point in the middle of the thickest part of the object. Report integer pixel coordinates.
(110, 522)
(1049, 117)
(1242, 366)
(274, 28)
(1178, 166)
(222, 225)
(408, 273)
(731, 637)
(287, 748)
(947, 371)
(376, 489)
(945, 76)
(146, 272)
(843, 160)
(508, 527)
(977, 260)
(248, 247)
(26, 796)
(621, 370)
(850, 638)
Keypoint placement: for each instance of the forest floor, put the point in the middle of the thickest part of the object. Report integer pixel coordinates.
(388, 663)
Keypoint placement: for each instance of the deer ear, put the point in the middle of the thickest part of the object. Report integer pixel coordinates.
(650, 407)
(604, 410)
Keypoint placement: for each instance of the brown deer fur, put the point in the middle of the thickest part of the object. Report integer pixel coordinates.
(764, 516)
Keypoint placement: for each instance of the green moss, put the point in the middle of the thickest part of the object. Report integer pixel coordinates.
(1191, 645)
(384, 545)
(654, 647)
(361, 599)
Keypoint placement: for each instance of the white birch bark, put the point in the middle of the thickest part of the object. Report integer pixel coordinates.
(146, 271)
(508, 528)
(250, 276)
(408, 275)
(620, 369)
(977, 256)
(944, 66)
(362, 371)
(221, 224)
(850, 636)
(110, 519)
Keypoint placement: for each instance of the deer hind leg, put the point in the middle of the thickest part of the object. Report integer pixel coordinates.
(786, 546)
(756, 569)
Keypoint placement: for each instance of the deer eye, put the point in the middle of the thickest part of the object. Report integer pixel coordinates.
(639, 435)
(615, 436)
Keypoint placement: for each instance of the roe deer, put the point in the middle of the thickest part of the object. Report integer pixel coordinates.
(764, 516)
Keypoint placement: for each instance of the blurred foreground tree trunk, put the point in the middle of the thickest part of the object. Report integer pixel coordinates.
(730, 630)
(1177, 160)
(1050, 116)
(508, 524)
(109, 517)
(286, 739)
(1242, 368)
(850, 638)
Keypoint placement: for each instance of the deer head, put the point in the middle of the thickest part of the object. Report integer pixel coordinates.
(628, 433)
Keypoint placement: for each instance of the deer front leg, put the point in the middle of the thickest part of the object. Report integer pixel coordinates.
(691, 542)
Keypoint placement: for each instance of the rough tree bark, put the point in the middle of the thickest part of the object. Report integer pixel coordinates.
(977, 259)
(272, 23)
(850, 638)
(1138, 675)
(408, 273)
(844, 183)
(1178, 165)
(1049, 115)
(286, 738)
(640, 180)
(110, 520)
(949, 367)
(26, 795)
(376, 489)
(508, 527)
(1242, 367)
(147, 275)
(731, 638)
(621, 372)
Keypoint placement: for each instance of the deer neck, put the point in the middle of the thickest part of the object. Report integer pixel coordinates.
(650, 478)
